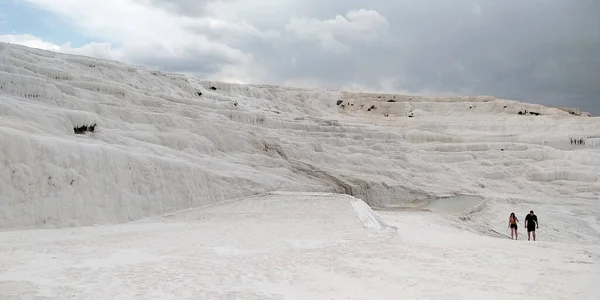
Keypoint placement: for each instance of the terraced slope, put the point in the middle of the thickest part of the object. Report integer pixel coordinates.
(86, 141)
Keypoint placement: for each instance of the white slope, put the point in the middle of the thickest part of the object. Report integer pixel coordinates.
(291, 246)
(159, 146)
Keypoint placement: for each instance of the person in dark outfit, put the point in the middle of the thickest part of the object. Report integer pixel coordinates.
(512, 224)
(531, 223)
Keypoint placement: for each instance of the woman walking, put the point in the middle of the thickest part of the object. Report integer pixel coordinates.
(512, 224)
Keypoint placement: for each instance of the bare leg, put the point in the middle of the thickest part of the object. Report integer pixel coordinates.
(512, 233)
(528, 235)
(516, 235)
(534, 236)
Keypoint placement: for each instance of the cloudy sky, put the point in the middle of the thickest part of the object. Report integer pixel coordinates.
(541, 51)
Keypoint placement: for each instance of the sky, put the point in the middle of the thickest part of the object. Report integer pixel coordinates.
(539, 51)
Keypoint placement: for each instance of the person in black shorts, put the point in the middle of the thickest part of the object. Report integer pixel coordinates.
(512, 224)
(531, 222)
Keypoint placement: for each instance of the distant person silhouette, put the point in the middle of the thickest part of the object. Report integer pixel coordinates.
(531, 222)
(512, 224)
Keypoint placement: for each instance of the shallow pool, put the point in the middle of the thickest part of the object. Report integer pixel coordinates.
(454, 205)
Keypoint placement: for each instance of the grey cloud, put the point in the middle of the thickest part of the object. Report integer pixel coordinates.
(331, 34)
(231, 33)
(542, 51)
(202, 60)
(182, 7)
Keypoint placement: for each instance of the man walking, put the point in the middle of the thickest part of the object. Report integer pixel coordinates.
(531, 223)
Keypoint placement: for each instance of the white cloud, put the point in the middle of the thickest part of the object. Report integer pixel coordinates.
(333, 34)
(225, 31)
(268, 13)
(99, 50)
(29, 41)
(118, 21)
(149, 35)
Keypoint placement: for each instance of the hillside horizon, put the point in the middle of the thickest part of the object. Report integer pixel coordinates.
(563, 107)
